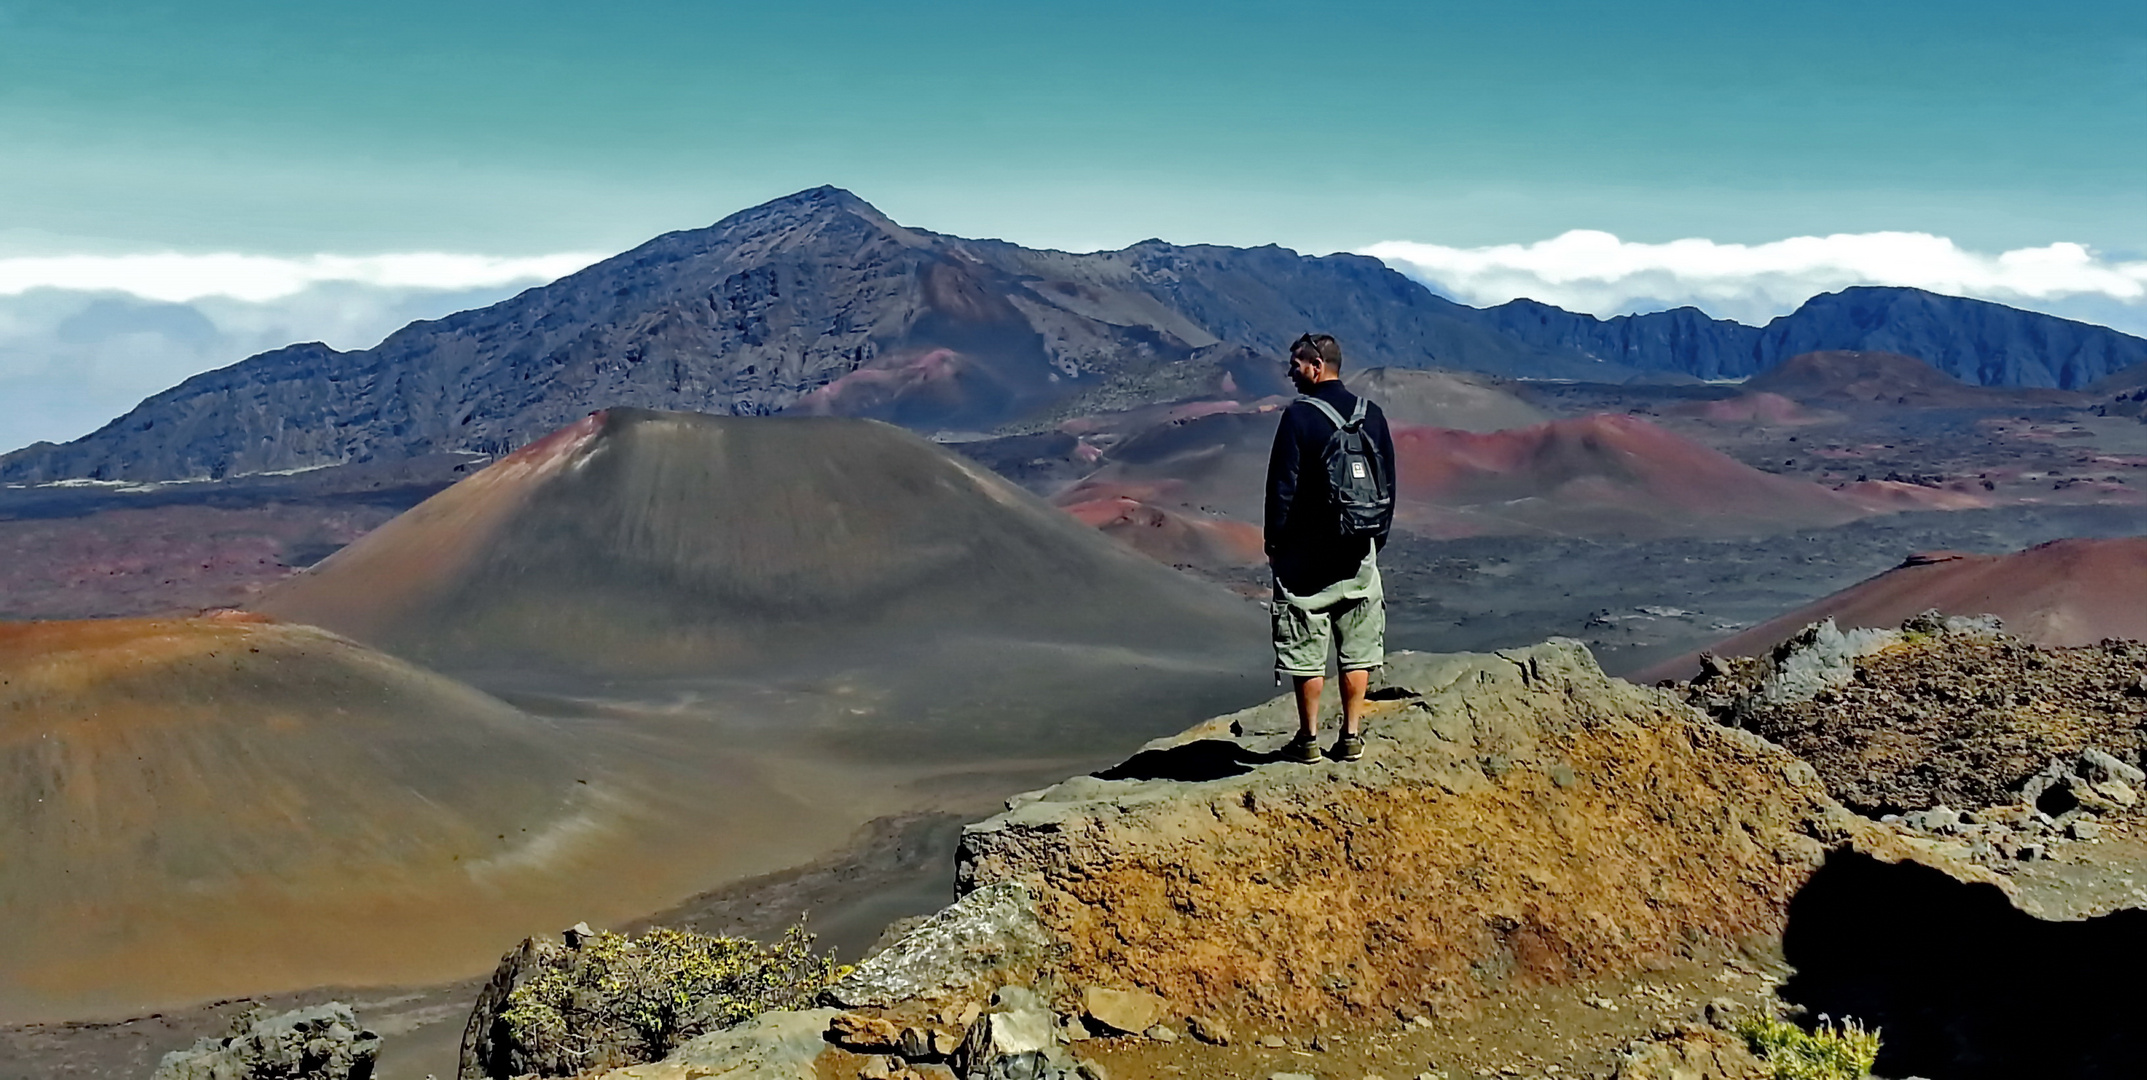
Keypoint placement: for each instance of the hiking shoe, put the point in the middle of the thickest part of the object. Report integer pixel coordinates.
(1347, 748)
(1304, 749)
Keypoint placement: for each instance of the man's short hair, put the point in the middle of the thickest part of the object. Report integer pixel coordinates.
(1321, 347)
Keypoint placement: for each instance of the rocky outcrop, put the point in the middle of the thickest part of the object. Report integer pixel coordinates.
(964, 952)
(1945, 712)
(1518, 815)
(1520, 818)
(785, 1045)
(324, 1042)
(598, 1000)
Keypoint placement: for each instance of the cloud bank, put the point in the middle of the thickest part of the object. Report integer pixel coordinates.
(260, 278)
(83, 339)
(1596, 272)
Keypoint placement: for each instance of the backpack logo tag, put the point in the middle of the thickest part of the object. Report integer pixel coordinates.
(1356, 468)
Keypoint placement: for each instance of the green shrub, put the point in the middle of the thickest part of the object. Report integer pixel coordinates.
(1828, 1052)
(620, 1000)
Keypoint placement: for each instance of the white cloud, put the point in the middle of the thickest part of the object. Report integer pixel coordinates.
(84, 338)
(72, 359)
(1596, 272)
(260, 278)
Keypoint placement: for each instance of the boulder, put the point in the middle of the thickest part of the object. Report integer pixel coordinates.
(1124, 1011)
(2100, 767)
(782, 1045)
(1209, 1030)
(863, 1034)
(1019, 1031)
(976, 942)
(1820, 656)
(323, 1042)
(1016, 1043)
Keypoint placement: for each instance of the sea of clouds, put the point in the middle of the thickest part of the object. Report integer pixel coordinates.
(1598, 273)
(84, 338)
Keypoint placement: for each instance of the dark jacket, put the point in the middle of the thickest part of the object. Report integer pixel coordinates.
(1302, 540)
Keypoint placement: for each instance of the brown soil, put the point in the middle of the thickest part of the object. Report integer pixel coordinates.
(1567, 1031)
(1576, 1031)
(1956, 720)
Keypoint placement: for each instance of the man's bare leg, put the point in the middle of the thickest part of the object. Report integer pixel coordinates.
(1355, 684)
(1309, 688)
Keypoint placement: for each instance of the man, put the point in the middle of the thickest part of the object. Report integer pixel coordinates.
(1323, 549)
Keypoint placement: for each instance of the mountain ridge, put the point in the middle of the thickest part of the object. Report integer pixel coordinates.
(817, 302)
(1976, 341)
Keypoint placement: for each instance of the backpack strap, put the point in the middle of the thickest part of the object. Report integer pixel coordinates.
(1332, 414)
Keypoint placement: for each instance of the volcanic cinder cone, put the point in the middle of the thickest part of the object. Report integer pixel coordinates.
(862, 591)
(1461, 400)
(640, 546)
(201, 805)
(2065, 593)
(1600, 475)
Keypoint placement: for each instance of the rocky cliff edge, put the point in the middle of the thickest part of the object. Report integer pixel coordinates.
(1519, 817)
(1516, 815)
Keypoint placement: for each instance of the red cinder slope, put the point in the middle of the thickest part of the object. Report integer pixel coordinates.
(1595, 475)
(1604, 475)
(2066, 592)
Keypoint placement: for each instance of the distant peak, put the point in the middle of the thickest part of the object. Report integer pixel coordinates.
(823, 203)
(825, 199)
(825, 193)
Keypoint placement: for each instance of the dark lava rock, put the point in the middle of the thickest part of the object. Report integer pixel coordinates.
(1961, 720)
(323, 1042)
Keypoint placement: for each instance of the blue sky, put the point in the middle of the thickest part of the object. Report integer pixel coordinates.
(497, 131)
(533, 127)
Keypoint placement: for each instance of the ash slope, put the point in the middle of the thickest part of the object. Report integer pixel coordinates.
(638, 545)
(818, 302)
(2063, 593)
(190, 803)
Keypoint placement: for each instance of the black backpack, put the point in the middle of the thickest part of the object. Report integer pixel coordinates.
(1356, 486)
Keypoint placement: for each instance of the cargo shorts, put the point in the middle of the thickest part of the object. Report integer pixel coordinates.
(1348, 617)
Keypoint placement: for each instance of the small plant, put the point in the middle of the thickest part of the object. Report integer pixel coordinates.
(1827, 1052)
(620, 1000)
